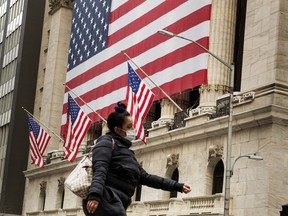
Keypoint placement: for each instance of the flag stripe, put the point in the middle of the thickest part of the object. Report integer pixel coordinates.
(141, 97)
(141, 22)
(33, 143)
(35, 154)
(43, 141)
(124, 9)
(117, 4)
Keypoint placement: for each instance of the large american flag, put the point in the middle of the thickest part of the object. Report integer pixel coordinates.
(102, 29)
(139, 100)
(39, 140)
(76, 127)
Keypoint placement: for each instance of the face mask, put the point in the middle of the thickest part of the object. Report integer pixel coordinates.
(130, 135)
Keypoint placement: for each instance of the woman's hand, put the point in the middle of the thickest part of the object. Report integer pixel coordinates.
(92, 206)
(186, 188)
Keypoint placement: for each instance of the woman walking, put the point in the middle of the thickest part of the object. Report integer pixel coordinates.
(116, 171)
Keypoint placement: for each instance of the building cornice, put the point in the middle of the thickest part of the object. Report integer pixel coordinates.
(57, 4)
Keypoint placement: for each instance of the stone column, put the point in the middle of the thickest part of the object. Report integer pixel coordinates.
(222, 34)
(55, 71)
(168, 109)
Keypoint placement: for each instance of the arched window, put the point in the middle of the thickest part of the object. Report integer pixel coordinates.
(60, 193)
(218, 178)
(175, 176)
(42, 197)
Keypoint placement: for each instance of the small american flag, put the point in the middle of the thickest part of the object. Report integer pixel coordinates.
(39, 140)
(76, 127)
(101, 29)
(139, 100)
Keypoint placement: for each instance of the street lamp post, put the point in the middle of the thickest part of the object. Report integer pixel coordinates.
(229, 136)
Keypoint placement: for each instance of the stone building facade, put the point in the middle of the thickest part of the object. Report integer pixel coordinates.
(195, 152)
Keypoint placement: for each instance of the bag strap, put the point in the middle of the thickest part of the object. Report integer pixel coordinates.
(113, 143)
(93, 146)
(89, 153)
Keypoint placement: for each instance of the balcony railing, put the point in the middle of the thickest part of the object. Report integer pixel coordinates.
(59, 212)
(205, 205)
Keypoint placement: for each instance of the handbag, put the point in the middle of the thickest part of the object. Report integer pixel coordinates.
(79, 180)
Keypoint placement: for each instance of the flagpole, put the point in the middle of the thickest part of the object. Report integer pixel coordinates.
(154, 83)
(43, 124)
(84, 102)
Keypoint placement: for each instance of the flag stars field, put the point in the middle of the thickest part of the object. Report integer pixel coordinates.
(84, 28)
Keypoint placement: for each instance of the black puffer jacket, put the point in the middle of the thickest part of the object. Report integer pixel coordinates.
(116, 166)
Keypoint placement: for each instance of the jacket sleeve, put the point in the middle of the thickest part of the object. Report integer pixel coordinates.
(101, 157)
(158, 182)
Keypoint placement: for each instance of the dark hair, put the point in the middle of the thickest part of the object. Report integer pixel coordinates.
(117, 118)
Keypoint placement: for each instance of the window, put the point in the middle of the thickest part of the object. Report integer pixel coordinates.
(138, 189)
(175, 176)
(218, 178)
(42, 198)
(60, 193)
(239, 42)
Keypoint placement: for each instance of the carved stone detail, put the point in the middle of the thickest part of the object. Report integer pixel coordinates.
(215, 151)
(162, 122)
(56, 154)
(238, 100)
(57, 4)
(172, 160)
(61, 181)
(202, 110)
(215, 88)
(43, 186)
